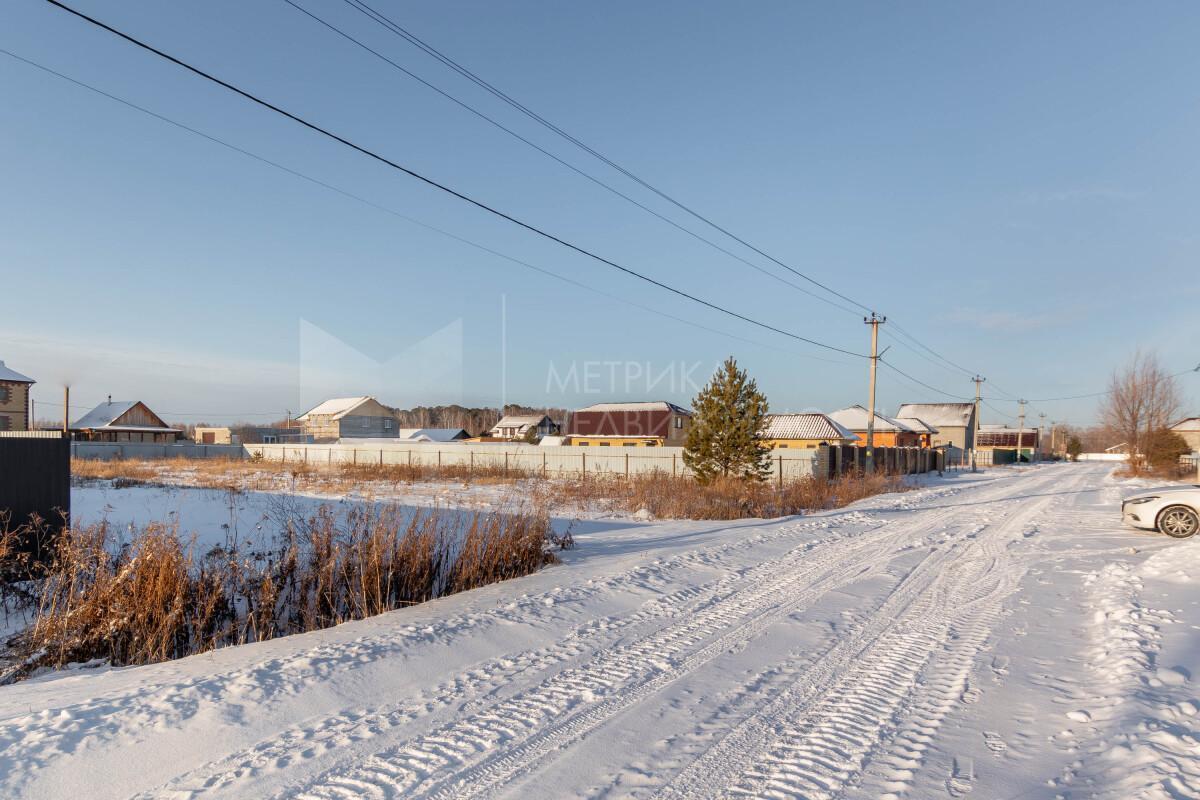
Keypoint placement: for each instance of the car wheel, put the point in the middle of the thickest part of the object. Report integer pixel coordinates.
(1179, 522)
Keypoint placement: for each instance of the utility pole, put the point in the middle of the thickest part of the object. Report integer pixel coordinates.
(874, 321)
(1041, 446)
(1020, 428)
(975, 427)
(66, 408)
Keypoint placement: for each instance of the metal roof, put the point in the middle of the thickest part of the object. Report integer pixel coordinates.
(1189, 424)
(338, 407)
(917, 424)
(806, 426)
(12, 376)
(940, 415)
(105, 414)
(855, 418)
(520, 421)
(656, 405)
(432, 434)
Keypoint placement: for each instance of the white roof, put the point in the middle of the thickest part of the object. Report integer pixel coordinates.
(519, 420)
(552, 441)
(1003, 429)
(939, 415)
(659, 405)
(338, 407)
(105, 414)
(855, 418)
(917, 424)
(431, 434)
(13, 376)
(1189, 424)
(806, 426)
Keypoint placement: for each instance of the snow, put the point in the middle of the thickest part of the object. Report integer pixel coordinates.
(997, 634)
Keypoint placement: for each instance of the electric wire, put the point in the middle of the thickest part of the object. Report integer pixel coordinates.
(443, 187)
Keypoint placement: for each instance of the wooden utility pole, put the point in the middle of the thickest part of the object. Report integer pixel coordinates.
(975, 426)
(874, 321)
(1020, 428)
(66, 408)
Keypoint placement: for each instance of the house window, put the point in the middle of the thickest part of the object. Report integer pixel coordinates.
(784, 445)
(583, 444)
(678, 423)
(605, 444)
(268, 439)
(5, 395)
(366, 422)
(387, 424)
(629, 444)
(5, 422)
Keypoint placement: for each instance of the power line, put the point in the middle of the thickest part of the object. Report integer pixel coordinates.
(394, 213)
(608, 187)
(394, 27)
(397, 29)
(442, 187)
(922, 383)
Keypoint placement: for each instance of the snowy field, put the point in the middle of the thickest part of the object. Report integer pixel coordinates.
(998, 634)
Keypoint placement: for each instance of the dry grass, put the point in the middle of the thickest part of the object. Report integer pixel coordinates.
(158, 598)
(669, 497)
(271, 475)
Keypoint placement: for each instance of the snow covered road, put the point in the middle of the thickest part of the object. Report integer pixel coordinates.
(997, 634)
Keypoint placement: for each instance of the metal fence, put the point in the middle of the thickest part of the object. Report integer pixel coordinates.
(110, 450)
(835, 460)
(515, 459)
(35, 481)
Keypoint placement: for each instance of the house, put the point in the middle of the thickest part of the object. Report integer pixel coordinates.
(514, 426)
(123, 421)
(432, 434)
(204, 435)
(805, 431)
(653, 424)
(888, 432)
(955, 422)
(1022, 442)
(14, 400)
(925, 432)
(349, 418)
(1188, 428)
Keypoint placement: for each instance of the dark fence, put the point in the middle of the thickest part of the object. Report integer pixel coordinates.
(35, 483)
(838, 460)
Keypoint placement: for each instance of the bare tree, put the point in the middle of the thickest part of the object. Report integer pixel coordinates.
(1142, 398)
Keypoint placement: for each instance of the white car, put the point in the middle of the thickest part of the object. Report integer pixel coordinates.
(1175, 512)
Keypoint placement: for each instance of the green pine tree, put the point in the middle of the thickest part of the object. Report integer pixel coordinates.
(725, 438)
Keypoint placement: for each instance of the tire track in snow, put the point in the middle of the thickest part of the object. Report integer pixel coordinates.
(462, 759)
(855, 692)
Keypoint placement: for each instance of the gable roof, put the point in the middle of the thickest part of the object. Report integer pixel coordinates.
(855, 418)
(520, 420)
(656, 405)
(338, 407)
(432, 434)
(106, 415)
(1189, 424)
(939, 415)
(12, 376)
(806, 426)
(917, 424)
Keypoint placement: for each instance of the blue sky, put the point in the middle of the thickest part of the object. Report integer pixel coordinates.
(1017, 186)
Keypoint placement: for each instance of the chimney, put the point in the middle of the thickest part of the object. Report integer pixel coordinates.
(110, 399)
